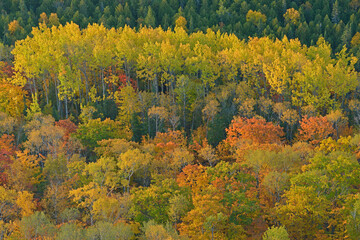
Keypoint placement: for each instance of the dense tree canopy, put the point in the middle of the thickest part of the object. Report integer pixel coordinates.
(336, 21)
(147, 132)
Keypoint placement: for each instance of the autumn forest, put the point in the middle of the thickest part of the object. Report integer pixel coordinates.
(175, 120)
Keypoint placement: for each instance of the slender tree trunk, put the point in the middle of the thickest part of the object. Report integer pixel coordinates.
(46, 89)
(156, 86)
(184, 111)
(127, 70)
(86, 84)
(172, 89)
(55, 202)
(102, 82)
(66, 107)
(80, 94)
(91, 219)
(128, 186)
(57, 95)
(34, 82)
(156, 125)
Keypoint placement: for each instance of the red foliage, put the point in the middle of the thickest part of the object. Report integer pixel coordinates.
(68, 126)
(7, 149)
(121, 79)
(123, 82)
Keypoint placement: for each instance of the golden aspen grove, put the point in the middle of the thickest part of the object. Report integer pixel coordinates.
(138, 120)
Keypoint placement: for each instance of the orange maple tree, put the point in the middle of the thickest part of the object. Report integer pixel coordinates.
(315, 129)
(173, 137)
(255, 130)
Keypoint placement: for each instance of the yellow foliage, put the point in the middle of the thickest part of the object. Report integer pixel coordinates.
(24, 171)
(43, 18)
(181, 22)
(255, 17)
(12, 99)
(26, 203)
(292, 16)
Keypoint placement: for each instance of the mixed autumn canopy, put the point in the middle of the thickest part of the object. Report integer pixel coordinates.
(146, 133)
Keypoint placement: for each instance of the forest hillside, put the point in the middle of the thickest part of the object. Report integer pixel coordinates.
(179, 120)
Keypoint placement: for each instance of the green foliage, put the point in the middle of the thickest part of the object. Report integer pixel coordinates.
(106, 230)
(70, 231)
(33, 109)
(154, 231)
(155, 202)
(37, 225)
(353, 221)
(318, 189)
(276, 233)
(95, 130)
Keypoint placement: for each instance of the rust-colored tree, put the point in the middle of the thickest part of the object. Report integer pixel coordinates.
(176, 137)
(68, 126)
(254, 130)
(7, 149)
(70, 145)
(315, 129)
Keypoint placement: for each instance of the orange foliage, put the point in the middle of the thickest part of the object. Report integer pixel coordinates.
(6, 70)
(163, 149)
(174, 137)
(218, 198)
(315, 129)
(223, 150)
(194, 177)
(13, 26)
(69, 146)
(257, 131)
